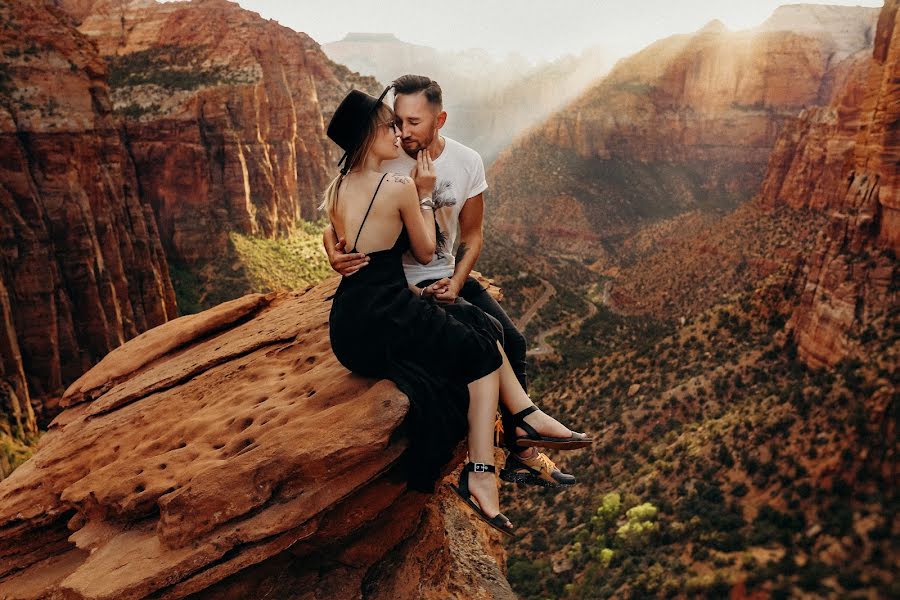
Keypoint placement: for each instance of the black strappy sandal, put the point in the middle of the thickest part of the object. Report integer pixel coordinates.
(533, 438)
(498, 521)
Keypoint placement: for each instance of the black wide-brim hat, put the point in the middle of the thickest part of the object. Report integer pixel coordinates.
(351, 119)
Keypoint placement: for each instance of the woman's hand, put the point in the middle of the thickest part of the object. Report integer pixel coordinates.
(425, 292)
(423, 174)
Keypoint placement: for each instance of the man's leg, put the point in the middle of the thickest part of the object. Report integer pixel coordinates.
(513, 341)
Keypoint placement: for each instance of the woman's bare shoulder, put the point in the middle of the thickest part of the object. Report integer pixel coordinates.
(399, 186)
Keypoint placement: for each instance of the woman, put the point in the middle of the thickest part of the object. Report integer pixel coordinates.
(447, 358)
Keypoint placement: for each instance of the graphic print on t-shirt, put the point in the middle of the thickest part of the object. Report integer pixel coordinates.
(443, 198)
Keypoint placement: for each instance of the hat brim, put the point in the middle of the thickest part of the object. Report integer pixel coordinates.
(349, 148)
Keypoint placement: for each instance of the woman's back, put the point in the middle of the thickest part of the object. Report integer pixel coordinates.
(367, 212)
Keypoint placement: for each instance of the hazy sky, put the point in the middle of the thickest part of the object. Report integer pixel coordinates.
(536, 29)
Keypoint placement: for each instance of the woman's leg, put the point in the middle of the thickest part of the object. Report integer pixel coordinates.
(515, 399)
(482, 411)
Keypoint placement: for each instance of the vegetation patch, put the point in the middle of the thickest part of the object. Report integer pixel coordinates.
(253, 264)
(170, 67)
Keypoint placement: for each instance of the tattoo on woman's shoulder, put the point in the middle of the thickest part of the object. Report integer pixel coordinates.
(401, 178)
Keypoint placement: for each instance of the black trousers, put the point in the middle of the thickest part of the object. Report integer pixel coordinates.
(513, 343)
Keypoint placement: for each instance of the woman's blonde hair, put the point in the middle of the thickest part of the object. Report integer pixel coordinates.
(381, 114)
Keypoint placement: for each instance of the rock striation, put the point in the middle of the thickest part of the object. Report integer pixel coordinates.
(225, 114)
(82, 268)
(227, 453)
(686, 123)
(843, 158)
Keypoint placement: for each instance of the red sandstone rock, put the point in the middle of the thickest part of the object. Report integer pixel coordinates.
(81, 260)
(225, 113)
(844, 158)
(227, 452)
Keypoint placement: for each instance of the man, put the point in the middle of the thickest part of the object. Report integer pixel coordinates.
(458, 210)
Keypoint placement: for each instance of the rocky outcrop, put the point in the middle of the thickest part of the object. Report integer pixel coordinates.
(81, 264)
(844, 158)
(228, 452)
(687, 123)
(225, 115)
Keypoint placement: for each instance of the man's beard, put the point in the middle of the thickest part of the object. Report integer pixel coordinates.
(413, 152)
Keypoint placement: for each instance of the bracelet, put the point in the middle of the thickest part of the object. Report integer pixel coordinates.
(426, 202)
(421, 292)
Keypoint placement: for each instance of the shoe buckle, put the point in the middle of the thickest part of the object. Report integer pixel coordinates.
(480, 468)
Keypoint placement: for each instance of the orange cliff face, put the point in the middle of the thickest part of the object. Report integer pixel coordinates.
(843, 158)
(225, 115)
(81, 267)
(687, 123)
(228, 452)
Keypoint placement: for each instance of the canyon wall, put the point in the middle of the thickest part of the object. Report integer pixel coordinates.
(842, 158)
(81, 264)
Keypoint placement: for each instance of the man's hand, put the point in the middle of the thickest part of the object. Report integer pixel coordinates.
(445, 290)
(344, 263)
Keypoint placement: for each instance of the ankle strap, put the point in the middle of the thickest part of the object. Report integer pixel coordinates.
(524, 413)
(479, 468)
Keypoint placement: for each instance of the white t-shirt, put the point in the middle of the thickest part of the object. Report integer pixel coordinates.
(460, 176)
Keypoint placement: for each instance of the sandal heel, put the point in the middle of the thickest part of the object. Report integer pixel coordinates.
(498, 521)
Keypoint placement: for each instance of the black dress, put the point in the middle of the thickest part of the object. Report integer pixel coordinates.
(431, 351)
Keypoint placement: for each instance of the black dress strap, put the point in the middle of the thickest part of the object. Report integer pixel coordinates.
(371, 202)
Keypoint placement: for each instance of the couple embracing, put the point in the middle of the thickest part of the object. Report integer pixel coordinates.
(406, 308)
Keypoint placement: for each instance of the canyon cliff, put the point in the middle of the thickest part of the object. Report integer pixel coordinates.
(843, 159)
(226, 454)
(823, 227)
(687, 123)
(225, 115)
(81, 267)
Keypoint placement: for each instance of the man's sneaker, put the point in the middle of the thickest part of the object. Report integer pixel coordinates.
(538, 470)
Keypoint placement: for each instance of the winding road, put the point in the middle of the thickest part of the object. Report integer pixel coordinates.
(541, 347)
(538, 304)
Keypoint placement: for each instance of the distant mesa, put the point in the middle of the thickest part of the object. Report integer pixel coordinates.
(372, 38)
(714, 26)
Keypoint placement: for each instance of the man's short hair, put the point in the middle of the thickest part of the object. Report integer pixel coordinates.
(413, 84)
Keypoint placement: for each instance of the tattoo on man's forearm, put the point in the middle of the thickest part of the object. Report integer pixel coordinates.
(461, 251)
